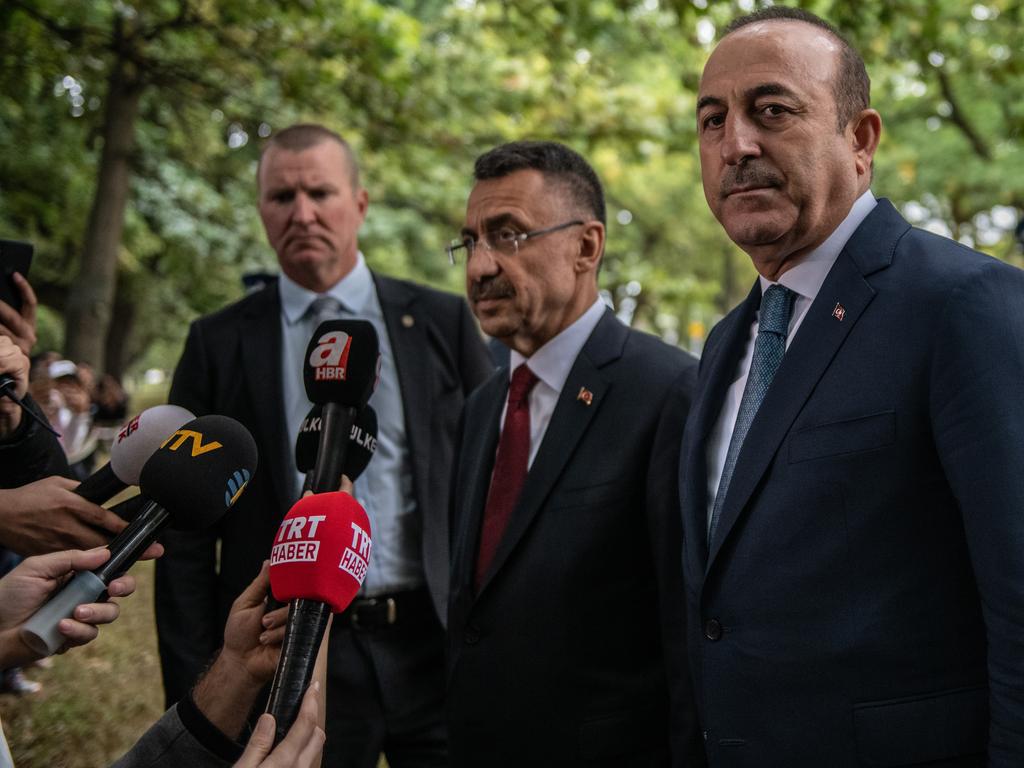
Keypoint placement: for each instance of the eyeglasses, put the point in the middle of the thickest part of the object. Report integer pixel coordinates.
(505, 241)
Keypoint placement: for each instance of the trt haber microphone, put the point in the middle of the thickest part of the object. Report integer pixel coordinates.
(191, 480)
(341, 372)
(362, 444)
(318, 563)
(136, 441)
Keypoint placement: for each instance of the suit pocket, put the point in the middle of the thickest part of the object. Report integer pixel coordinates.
(849, 436)
(920, 729)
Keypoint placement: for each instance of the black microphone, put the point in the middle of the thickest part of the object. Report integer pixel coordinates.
(7, 387)
(341, 372)
(362, 444)
(136, 441)
(191, 481)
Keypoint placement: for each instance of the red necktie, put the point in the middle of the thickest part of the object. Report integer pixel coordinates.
(509, 469)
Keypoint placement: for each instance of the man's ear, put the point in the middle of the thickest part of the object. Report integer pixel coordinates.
(591, 247)
(864, 132)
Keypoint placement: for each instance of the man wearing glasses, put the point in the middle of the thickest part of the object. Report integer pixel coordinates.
(564, 491)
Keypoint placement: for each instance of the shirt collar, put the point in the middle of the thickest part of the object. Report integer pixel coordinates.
(552, 362)
(807, 277)
(353, 291)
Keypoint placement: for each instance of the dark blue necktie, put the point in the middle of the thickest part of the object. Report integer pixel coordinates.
(769, 348)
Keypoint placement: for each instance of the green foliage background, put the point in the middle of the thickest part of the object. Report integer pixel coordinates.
(421, 87)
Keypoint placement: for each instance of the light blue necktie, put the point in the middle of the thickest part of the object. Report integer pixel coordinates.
(769, 348)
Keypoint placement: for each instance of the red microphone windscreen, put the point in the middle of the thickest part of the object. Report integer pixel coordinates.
(321, 551)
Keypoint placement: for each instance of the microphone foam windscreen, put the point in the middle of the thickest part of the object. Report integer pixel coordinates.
(342, 363)
(200, 471)
(137, 440)
(321, 551)
(362, 443)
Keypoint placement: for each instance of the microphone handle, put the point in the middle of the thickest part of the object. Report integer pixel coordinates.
(334, 435)
(128, 546)
(40, 632)
(307, 621)
(100, 486)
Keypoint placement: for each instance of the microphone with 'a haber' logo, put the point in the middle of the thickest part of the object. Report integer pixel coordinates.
(341, 372)
(318, 563)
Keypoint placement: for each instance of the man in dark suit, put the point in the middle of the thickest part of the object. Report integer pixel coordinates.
(386, 667)
(852, 493)
(560, 502)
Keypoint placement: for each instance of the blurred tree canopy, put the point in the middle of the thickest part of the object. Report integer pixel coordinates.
(130, 134)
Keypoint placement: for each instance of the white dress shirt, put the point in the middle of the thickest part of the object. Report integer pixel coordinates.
(551, 365)
(385, 489)
(805, 280)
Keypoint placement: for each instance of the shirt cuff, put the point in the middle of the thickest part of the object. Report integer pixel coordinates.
(206, 733)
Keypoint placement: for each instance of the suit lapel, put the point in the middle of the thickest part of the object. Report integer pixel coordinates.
(261, 355)
(719, 366)
(816, 343)
(407, 335)
(568, 424)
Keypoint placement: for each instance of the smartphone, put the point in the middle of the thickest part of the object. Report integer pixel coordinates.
(14, 257)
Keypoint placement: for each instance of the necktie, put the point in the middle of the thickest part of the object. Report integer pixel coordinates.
(769, 348)
(323, 308)
(510, 466)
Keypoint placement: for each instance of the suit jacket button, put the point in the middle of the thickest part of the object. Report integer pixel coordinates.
(472, 634)
(712, 630)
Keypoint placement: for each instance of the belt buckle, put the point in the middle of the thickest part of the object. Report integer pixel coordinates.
(372, 602)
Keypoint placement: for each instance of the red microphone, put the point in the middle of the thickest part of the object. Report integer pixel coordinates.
(317, 563)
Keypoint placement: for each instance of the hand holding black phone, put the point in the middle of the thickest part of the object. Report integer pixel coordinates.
(14, 257)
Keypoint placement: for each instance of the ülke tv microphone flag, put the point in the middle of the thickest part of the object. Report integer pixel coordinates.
(362, 443)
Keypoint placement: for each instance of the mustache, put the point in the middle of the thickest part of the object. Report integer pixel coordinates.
(749, 174)
(491, 288)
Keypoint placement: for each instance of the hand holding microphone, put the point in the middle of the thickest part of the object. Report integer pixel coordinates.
(26, 588)
(191, 481)
(318, 563)
(14, 366)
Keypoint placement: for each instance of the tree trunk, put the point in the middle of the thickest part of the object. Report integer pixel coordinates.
(91, 295)
(120, 344)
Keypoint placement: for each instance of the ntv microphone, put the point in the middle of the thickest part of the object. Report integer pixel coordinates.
(136, 441)
(341, 371)
(191, 481)
(362, 444)
(318, 563)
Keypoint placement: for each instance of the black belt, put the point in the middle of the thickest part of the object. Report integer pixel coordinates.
(369, 614)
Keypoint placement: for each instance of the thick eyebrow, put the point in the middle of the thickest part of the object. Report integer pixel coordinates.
(495, 222)
(751, 94)
(709, 101)
(770, 89)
